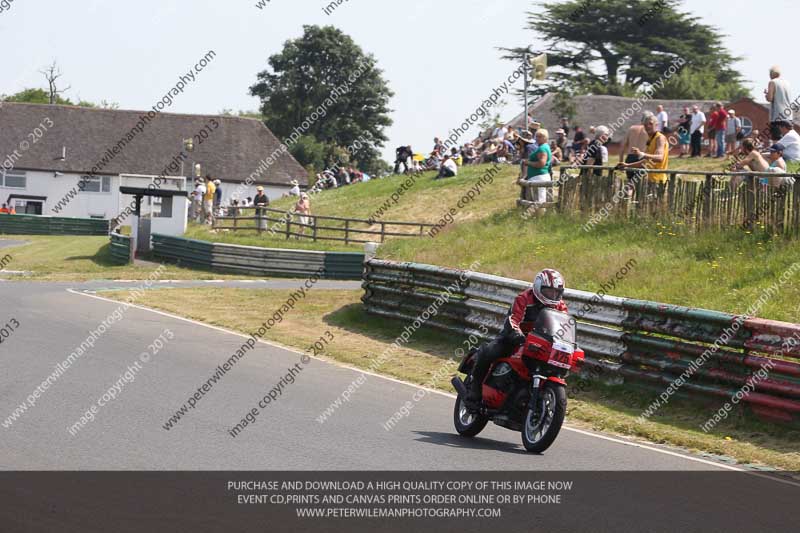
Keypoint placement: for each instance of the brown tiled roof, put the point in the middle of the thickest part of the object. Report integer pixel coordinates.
(232, 152)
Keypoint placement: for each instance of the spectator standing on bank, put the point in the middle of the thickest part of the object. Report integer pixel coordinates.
(663, 119)
(780, 104)
(402, 154)
(684, 135)
(696, 130)
(438, 147)
(733, 132)
(303, 210)
(295, 190)
(720, 129)
(538, 165)
(197, 201)
(711, 133)
(208, 200)
(261, 201)
(217, 194)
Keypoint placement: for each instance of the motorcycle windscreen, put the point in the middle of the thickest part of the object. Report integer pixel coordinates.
(553, 325)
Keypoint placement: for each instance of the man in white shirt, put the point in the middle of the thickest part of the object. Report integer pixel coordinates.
(295, 190)
(663, 119)
(697, 128)
(199, 192)
(790, 140)
(449, 168)
(500, 133)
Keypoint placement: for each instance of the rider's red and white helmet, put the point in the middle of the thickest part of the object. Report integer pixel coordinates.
(548, 287)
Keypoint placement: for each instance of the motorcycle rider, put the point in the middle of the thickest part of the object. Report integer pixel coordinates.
(547, 291)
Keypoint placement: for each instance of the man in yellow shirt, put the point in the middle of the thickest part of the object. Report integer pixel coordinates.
(208, 200)
(656, 155)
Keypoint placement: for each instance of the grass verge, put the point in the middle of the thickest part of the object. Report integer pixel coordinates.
(360, 338)
(79, 258)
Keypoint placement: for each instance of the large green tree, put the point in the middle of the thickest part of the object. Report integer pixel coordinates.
(326, 70)
(621, 47)
(41, 96)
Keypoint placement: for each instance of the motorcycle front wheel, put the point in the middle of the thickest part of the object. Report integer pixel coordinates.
(542, 424)
(467, 424)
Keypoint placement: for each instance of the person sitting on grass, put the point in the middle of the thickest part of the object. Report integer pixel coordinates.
(790, 140)
(750, 159)
(449, 168)
(490, 153)
(558, 155)
(776, 161)
(469, 154)
(594, 153)
(434, 161)
(455, 155)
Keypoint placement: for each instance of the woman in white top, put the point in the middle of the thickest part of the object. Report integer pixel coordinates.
(303, 208)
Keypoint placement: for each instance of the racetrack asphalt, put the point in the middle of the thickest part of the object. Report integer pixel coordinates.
(128, 432)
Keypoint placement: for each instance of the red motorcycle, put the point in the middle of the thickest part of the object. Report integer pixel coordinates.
(525, 392)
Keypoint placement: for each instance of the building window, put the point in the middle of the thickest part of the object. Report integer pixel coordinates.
(96, 184)
(13, 179)
(747, 126)
(162, 207)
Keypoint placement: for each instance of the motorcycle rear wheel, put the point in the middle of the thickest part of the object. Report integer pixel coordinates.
(541, 429)
(467, 424)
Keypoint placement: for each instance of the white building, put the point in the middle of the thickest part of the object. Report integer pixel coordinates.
(70, 161)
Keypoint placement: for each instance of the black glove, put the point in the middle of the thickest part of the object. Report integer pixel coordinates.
(517, 338)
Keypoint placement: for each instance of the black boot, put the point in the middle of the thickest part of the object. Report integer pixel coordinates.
(474, 394)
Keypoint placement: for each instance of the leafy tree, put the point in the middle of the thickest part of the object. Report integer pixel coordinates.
(310, 152)
(324, 74)
(41, 96)
(694, 84)
(492, 120)
(35, 96)
(564, 105)
(621, 47)
(228, 112)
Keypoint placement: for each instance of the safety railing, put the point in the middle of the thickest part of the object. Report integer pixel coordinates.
(121, 248)
(257, 261)
(697, 198)
(624, 339)
(45, 225)
(316, 227)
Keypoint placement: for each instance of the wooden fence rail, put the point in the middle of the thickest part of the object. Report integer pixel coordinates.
(696, 198)
(277, 222)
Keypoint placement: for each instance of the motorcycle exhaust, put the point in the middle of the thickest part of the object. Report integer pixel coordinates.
(459, 385)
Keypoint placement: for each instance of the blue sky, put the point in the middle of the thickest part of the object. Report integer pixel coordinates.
(440, 57)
